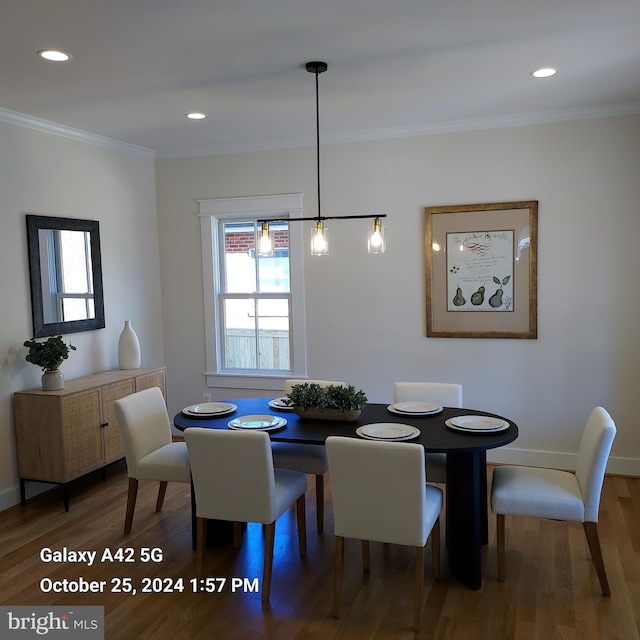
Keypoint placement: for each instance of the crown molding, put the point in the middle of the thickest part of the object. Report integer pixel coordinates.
(455, 126)
(372, 135)
(23, 120)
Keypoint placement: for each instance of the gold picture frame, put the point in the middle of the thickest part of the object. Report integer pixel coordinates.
(481, 270)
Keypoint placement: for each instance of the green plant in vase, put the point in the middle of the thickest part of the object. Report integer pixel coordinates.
(49, 355)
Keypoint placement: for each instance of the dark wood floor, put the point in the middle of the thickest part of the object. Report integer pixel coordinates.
(551, 589)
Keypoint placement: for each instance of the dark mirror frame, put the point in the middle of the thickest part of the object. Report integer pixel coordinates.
(34, 224)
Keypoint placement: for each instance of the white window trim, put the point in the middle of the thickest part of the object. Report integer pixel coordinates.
(213, 210)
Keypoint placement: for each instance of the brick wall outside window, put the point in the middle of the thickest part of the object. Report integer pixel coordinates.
(242, 242)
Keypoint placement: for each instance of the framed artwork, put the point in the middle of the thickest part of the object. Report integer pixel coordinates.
(481, 270)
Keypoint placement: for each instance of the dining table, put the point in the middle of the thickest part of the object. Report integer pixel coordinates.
(466, 486)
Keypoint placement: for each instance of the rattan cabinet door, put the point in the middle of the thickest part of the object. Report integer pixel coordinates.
(81, 416)
(113, 448)
(152, 379)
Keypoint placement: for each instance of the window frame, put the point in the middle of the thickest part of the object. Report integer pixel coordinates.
(211, 212)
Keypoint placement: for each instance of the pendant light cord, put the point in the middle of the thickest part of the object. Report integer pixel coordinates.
(318, 141)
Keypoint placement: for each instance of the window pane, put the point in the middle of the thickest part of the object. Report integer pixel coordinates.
(240, 334)
(239, 257)
(75, 309)
(75, 261)
(273, 271)
(273, 330)
(271, 327)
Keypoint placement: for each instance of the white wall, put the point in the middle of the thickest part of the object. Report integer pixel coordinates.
(365, 314)
(49, 175)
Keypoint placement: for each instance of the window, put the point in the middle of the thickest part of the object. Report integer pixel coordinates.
(68, 292)
(254, 306)
(254, 299)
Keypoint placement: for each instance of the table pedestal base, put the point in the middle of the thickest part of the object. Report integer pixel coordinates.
(467, 518)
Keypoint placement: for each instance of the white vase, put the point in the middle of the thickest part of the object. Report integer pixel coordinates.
(52, 380)
(128, 348)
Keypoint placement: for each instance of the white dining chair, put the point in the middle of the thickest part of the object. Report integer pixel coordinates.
(559, 495)
(380, 494)
(306, 458)
(443, 393)
(148, 447)
(234, 480)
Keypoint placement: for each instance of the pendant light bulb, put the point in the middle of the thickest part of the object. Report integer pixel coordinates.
(319, 240)
(265, 242)
(376, 238)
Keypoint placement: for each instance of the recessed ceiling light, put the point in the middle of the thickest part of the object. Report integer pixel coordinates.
(196, 115)
(546, 72)
(54, 55)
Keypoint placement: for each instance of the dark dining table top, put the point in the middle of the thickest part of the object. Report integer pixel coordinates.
(434, 436)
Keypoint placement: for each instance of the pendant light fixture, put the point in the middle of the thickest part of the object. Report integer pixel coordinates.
(265, 240)
(376, 241)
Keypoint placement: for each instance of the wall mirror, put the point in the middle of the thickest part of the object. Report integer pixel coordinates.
(65, 268)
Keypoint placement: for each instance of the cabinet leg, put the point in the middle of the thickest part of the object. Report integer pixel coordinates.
(65, 496)
(23, 497)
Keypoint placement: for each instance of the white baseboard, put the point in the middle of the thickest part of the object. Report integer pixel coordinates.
(11, 497)
(553, 460)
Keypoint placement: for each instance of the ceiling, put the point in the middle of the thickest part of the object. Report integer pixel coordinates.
(396, 68)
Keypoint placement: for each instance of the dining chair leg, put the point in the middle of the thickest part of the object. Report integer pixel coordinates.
(269, 537)
(131, 504)
(435, 548)
(337, 576)
(302, 524)
(366, 556)
(591, 531)
(162, 490)
(501, 544)
(201, 538)
(320, 503)
(237, 534)
(419, 588)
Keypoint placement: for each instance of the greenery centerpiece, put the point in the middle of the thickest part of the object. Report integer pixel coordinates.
(49, 355)
(332, 402)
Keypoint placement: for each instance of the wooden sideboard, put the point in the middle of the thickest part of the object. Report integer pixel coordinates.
(62, 435)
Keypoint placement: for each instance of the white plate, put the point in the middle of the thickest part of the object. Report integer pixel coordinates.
(257, 423)
(277, 403)
(389, 431)
(415, 408)
(210, 409)
(477, 424)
